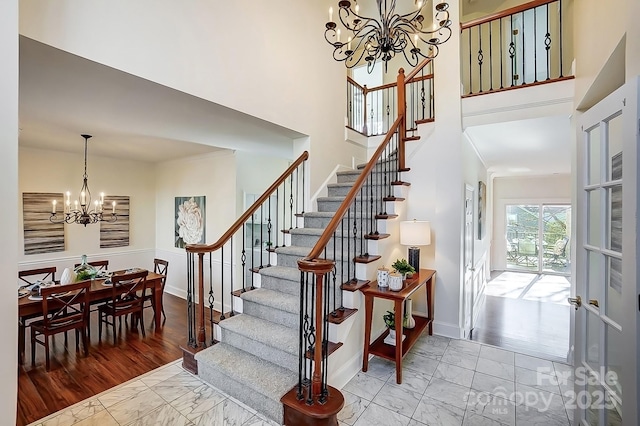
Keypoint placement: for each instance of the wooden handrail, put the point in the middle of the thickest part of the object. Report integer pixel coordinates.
(317, 250)
(416, 70)
(205, 248)
(355, 83)
(505, 13)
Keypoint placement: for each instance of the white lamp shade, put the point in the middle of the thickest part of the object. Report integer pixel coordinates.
(415, 233)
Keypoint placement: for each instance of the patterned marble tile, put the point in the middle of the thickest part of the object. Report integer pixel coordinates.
(433, 412)
(412, 380)
(495, 354)
(364, 386)
(495, 368)
(75, 413)
(176, 386)
(375, 415)
(136, 406)
(353, 407)
(451, 373)
(466, 346)
(398, 399)
(227, 413)
(539, 399)
(381, 368)
(260, 421)
(448, 393)
(165, 415)
(193, 404)
(461, 359)
(431, 346)
(533, 363)
(122, 393)
(161, 375)
(473, 419)
(420, 363)
(103, 418)
(494, 385)
(498, 409)
(536, 379)
(532, 417)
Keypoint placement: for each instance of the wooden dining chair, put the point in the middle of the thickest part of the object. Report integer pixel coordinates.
(66, 308)
(159, 267)
(100, 265)
(127, 297)
(29, 277)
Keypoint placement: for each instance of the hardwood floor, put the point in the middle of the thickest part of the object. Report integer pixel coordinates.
(534, 328)
(74, 378)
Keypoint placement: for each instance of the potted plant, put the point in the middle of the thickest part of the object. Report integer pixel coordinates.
(390, 321)
(403, 267)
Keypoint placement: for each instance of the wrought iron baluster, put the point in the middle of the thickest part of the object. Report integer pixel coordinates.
(260, 249)
(490, 57)
(547, 44)
(501, 56)
(561, 39)
(243, 258)
(303, 188)
(231, 276)
(277, 233)
(480, 55)
(312, 333)
(221, 284)
(291, 202)
(335, 258)
(524, 55)
(191, 312)
(470, 66)
(535, 47)
(325, 341)
(302, 337)
(512, 53)
(253, 251)
(269, 240)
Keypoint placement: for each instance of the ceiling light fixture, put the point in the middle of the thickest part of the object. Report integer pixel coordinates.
(82, 212)
(382, 39)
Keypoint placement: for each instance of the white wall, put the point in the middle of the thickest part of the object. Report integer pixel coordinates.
(437, 187)
(262, 67)
(522, 190)
(53, 171)
(8, 214)
(212, 175)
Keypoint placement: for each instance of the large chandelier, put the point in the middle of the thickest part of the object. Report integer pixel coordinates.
(83, 211)
(382, 39)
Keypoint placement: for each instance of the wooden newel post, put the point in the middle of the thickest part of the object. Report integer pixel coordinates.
(402, 112)
(201, 330)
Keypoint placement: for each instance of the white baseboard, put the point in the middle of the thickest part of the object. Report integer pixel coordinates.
(447, 330)
(340, 377)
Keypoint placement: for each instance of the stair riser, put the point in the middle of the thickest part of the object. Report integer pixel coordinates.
(341, 191)
(322, 222)
(275, 355)
(270, 407)
(269, 313)
(283, 286)
(311, 240)
(378, 174)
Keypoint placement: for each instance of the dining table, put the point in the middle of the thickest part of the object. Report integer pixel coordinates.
(98, 293)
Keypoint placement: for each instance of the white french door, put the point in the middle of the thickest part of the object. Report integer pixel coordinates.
(606, 301)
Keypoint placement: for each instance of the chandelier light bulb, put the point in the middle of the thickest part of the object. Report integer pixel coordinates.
(331, 14)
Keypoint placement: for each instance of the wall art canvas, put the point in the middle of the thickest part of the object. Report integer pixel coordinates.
(189, 220)
(482, 209)
(40, 235)
(115, 234)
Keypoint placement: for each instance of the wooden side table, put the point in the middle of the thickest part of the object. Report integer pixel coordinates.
(424, 278)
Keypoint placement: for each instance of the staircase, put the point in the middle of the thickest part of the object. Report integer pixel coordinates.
(256, 358)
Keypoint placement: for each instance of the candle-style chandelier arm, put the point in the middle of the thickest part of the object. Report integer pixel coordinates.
(381, 39)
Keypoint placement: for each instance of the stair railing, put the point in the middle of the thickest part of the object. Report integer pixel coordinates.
(518, 47)
(331, 263)
(371, 111)
(266, 222)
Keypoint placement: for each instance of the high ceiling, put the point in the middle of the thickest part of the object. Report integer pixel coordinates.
(62, 95)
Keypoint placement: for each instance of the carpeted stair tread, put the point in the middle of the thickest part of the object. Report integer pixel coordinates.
(257, 374)
(294, 251)
(273, 299)
(282, 272)
(269, 334)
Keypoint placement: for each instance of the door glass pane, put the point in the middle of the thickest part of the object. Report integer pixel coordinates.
(555, 238)
(593, 218)
(592, 342)
(593, 156)
(614, 231)
(594, 277)
(522, 236)
(614, 411)
(614, 148)
(589, 400)
(613, 305)
(613, 360)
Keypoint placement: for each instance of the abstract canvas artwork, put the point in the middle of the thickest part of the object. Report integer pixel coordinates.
(482, 209)
(115, 234)
(40, 235)
(189, 220)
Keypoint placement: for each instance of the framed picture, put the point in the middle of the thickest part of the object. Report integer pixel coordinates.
(482, 209)
(190, 220)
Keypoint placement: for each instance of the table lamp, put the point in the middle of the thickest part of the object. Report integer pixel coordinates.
(415, 233)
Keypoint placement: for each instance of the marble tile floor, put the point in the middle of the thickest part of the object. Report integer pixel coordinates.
(445, 382)
(166, 396)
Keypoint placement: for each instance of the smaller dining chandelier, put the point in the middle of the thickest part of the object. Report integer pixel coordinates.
(83, 211)
(380, 40)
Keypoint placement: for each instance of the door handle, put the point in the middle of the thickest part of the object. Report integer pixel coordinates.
(594, 302)
(577, 301)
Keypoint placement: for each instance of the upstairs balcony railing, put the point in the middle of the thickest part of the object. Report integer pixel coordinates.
(518, 47)
(372, 110)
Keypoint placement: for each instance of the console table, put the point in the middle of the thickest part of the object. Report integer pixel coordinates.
(425, 278)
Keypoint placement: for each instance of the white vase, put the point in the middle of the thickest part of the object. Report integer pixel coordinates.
(409, 322)
(392, 334)
(395, 281)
